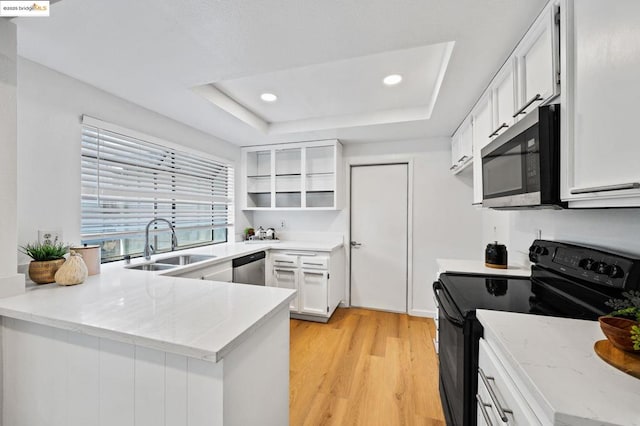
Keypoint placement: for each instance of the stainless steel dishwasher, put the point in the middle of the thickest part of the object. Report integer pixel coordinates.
(249, 269)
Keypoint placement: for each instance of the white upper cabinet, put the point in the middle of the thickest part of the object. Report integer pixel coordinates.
(305, 175)
(537, 62)
(601, 153)
(462, 147)
(288, 176)
(528, 79)
(503, 98)
(482, 126)
(456, 149)
(257, 166)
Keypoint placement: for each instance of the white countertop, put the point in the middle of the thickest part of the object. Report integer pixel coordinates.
(294, 245)
(200, 319)
(554, 358)
(477, 267)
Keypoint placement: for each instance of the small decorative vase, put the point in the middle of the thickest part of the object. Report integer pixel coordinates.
(618, 331)
(44, 271)
(74, 271)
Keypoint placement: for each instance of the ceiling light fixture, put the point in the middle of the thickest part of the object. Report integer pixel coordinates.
(392, 80)
(268, 97)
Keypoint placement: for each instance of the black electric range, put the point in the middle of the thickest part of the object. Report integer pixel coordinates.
(566, 281)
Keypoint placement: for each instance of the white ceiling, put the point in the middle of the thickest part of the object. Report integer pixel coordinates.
(153, 52)
(322, 96)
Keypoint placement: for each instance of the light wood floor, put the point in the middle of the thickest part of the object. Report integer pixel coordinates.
(364, 368)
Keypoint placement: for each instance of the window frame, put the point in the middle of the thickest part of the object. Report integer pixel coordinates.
(220, 172)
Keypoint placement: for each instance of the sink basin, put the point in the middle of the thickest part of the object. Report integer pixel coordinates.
(184, 259)
(151, 267)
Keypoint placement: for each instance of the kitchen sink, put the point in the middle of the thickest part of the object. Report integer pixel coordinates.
(184, 259)
(151, 267)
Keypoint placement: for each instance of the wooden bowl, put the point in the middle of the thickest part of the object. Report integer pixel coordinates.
(44, 271)
(618, 331)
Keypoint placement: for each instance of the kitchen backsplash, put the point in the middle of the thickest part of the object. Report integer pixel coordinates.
(613, 229)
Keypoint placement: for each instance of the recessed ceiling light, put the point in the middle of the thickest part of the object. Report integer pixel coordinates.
(268, 97)
(392, 80)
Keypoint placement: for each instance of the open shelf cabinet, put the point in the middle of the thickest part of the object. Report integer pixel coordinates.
(301, 175)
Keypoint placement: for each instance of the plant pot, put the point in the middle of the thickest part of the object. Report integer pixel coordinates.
(618, 331)
(44, 271)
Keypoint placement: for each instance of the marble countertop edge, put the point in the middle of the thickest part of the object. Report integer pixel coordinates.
(145, 341)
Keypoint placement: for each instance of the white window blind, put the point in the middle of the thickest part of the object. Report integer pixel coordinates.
(127, 181)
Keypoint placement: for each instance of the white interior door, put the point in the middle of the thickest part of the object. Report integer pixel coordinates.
(379, 220)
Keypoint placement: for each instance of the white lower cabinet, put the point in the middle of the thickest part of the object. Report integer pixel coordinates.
(287, 277)
(313, 289)
(499, 399)
(317, 276)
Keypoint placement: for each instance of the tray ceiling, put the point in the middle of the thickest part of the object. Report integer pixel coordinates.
(324, 59)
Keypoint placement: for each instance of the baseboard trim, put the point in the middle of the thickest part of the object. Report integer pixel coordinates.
(422, 313)
(12, 285)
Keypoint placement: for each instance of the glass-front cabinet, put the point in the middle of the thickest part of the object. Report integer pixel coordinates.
(304, 175)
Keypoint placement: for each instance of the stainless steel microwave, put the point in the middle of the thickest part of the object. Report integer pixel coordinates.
(521, 167)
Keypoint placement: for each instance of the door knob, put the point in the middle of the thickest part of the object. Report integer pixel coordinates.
(355, 244)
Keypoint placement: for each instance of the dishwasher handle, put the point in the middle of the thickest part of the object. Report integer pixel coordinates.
(250, 258)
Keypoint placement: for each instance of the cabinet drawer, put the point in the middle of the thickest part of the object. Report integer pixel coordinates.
(496, 389)
(285, 260)
(316, 262)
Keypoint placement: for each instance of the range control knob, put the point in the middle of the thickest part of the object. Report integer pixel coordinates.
(600, 268)
(539, 250)
(614, 271)
(586, 263)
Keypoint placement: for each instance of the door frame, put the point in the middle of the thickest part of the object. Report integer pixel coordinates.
(381, 161)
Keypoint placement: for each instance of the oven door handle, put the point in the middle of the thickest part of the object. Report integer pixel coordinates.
(445, 308)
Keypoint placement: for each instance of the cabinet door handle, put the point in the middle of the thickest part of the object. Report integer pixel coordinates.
(536, 98)
(288, 271)
(496, 131)
(605, 188)
(355, 244)
(464, 157)
(502, 412)
(455, 166)
(313, 273)
(311, 263)
(284, 261)
(483, 409)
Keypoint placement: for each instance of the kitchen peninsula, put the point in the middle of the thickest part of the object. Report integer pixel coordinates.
(136, 347)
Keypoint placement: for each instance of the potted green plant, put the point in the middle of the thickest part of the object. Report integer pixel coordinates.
(622, 326)
(47, 258)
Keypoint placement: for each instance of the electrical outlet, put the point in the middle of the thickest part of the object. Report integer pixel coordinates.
(50, 236)
(282, 225)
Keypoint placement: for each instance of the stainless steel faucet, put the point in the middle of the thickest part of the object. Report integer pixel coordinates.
(148, 248)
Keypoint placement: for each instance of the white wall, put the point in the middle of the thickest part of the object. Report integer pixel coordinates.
(445, 225)
(615, 229)
(10, 282)
(50, 106)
